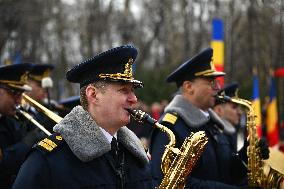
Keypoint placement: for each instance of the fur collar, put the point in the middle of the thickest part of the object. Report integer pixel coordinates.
(216, 119)
(87, 141)
(229, 128)
(190, 114)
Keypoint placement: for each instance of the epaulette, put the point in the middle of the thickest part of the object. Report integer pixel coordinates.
(170, 118)
(50, 143)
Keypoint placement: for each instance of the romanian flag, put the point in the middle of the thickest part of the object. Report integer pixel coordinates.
(217, 45)
(256, 105)
(272, 116)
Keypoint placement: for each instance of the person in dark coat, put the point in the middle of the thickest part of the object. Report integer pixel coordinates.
(40, 81)
(230, 113)
(91, 147)
(190, 111)
(16, 138)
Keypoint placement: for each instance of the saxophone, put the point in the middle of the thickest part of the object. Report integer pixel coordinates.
(176, 163)
(259, 173)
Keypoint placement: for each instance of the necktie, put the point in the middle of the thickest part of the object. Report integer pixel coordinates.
(119, 163)
(114, 148)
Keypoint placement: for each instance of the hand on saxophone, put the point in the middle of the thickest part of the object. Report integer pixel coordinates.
(264, 150)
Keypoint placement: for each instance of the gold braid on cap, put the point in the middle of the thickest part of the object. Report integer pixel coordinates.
(23, 80)
(121, 76)
(205, 72)
(40, 77)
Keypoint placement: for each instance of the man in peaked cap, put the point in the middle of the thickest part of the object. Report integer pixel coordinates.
(15, 138)
(40, 81)
(91, 147)
(230, 113)
(190, 111)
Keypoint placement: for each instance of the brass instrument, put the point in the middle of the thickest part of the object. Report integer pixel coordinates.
(56, 118)
(31, 119)
(176, 163)
(21, 110)
(259, 174)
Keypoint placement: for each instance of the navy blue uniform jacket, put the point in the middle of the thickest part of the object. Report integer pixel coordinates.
(80, 157)
(13, 150)
(217, 166)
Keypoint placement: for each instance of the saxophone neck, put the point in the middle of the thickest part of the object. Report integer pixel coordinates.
(245, 103)
(141, 116)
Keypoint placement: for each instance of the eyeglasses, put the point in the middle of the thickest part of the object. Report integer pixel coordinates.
(215, 84)
(14, 92)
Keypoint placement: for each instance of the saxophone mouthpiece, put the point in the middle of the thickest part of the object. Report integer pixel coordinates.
(130, 111)
(141, 116)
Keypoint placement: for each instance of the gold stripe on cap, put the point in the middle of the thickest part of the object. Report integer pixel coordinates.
(127, 74)
(40, 77)
(23, 80)
(204, 72)
(207, 72)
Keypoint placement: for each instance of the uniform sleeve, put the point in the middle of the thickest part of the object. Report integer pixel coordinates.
(12, 158)
(34, 173)
(158, 142)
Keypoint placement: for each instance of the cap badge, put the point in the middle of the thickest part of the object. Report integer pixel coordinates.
(127, 74)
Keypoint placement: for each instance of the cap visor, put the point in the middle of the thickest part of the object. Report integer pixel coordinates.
(214, 74)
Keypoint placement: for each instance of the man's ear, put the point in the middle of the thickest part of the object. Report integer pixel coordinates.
(91, 93)
(217, 109)
(187, 87)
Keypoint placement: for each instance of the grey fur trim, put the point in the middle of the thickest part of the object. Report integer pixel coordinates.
(87, 141)
(214, 117)
(131, 142)
(228, 127)
(189, 113)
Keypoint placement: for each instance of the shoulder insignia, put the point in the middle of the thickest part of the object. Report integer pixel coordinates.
(50, 143)
(171, 118)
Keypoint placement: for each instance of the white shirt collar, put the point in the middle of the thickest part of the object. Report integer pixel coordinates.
(206, 113)
(107, 135)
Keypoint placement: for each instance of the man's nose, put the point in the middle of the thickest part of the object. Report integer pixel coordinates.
(132, 97)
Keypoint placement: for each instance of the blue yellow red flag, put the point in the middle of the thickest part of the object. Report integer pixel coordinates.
(217, 44)
(272, 116)
(256, 104)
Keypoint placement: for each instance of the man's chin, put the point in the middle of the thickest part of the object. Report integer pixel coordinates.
(126, 121)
